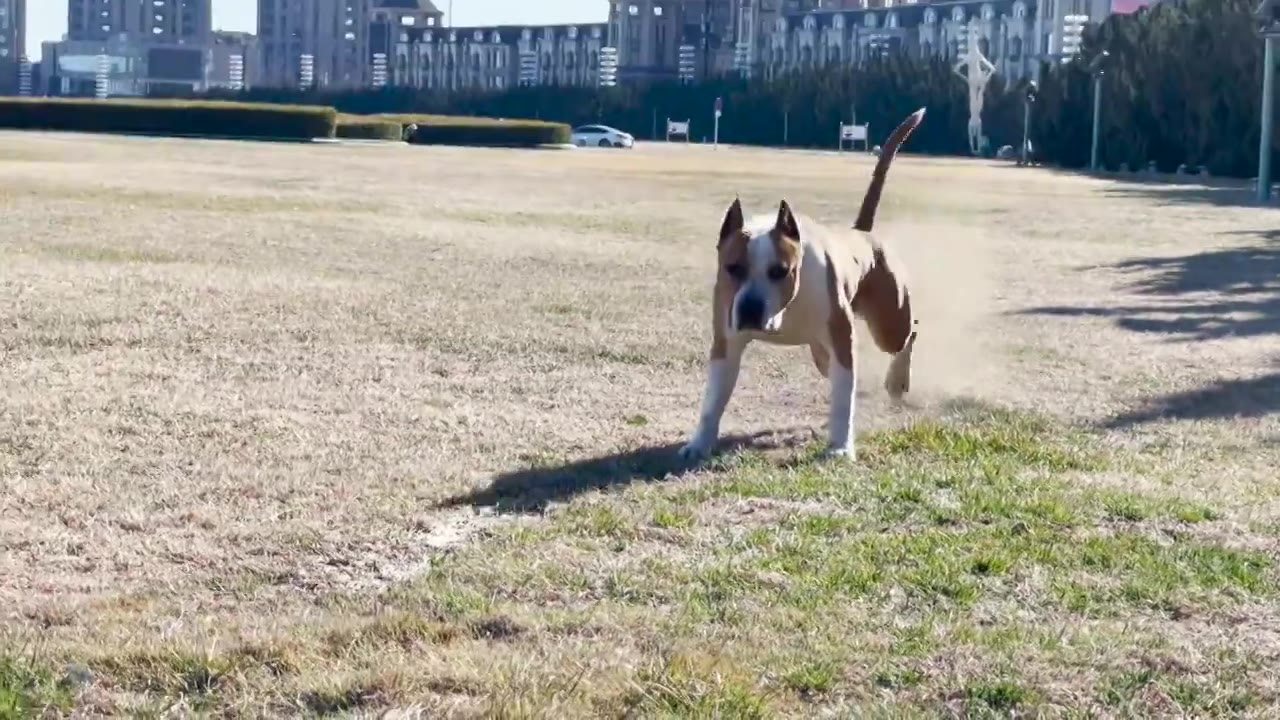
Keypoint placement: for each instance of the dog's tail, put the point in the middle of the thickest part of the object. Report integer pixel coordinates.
(871, 201)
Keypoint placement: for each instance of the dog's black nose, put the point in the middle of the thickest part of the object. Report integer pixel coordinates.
(750, 313)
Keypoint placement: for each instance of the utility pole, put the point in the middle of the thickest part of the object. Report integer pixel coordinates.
(1268, 18)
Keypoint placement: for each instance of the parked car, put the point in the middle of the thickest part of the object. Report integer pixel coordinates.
(602, 136)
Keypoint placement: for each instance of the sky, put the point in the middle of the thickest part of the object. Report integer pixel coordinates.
(47, 19)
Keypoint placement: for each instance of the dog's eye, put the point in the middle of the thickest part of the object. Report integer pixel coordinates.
(736, 271)
(777, 272)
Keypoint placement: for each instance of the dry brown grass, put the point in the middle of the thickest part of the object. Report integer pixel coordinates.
(242, 384)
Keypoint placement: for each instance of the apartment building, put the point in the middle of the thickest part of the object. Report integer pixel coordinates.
(235, 60)
(494, 58)
(132, 47)
(666, 39)
(333, 43)
(13, 41)
(1013, 34)
(171, 21)
(692, 39)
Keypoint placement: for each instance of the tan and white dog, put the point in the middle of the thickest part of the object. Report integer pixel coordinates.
(789, 280)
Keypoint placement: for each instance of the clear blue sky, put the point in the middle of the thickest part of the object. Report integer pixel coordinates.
(48, 18)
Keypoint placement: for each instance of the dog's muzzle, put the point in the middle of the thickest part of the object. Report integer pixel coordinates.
(750, 313)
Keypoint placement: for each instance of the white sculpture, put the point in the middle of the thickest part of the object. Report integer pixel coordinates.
(979, 74)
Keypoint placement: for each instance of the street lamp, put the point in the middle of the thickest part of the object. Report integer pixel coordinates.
(1268, 17)
(1029, 97)
(1097, 67)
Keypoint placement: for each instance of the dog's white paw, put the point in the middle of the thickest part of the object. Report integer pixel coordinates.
(897, 384)
(839, 453)
(695, 451)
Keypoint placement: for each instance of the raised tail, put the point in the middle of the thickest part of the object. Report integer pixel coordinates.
(871, 201)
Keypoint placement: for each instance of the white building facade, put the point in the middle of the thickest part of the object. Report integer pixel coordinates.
(495, 58)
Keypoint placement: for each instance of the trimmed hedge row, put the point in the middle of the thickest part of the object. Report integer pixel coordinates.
(362, 127)
(488, 132)
(170, 117)
(269, 121)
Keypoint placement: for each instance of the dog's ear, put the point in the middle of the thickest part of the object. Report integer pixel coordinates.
(786, 224)
(733, 221)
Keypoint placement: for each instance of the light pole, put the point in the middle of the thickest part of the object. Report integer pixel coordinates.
(1030, 97)
(1268, 17)
(1096, 67)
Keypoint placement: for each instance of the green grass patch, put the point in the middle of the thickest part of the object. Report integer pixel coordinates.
(979, 541)
(29, 690)
(696, 685)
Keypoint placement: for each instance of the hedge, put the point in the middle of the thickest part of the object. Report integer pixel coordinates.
(170, 117)
(361, 127)
(492, 132)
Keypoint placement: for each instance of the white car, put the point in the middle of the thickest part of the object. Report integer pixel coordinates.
(602, 136)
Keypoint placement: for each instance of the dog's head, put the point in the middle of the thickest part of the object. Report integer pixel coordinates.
(759, 270)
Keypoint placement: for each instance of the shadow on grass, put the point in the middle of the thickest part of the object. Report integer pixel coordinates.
(1174, 193)
(531, 490)
(1225, 398)
(1231, 292)
(1217, 294)
(1171, 190)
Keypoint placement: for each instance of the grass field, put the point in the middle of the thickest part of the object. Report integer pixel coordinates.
(342, 430)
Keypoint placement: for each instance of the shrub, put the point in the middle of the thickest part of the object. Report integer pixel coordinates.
(361, 127)
(169, 117)
(447, 130)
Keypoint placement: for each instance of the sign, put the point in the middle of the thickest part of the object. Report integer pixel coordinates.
(854, 134)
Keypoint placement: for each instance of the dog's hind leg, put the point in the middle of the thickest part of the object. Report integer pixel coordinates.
(884, 301)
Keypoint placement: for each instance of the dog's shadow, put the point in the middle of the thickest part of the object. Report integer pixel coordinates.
(531, 490)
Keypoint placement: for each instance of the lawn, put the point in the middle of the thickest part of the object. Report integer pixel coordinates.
(310, 430)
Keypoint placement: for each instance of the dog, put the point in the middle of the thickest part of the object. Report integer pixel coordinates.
(789, 280)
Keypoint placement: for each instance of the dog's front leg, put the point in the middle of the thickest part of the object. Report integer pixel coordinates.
(722, 376)
(843, 376)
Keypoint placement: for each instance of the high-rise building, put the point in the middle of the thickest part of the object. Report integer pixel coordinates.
(333, 43)
(13, 39)
(648, 35)
(180, 21)
(132, 47)
(174, 21)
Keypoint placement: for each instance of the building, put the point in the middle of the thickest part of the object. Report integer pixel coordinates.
(13, 41)
(694, 39)
(1015, 35)
(235, 60)
(334, 43)
(647, 35)
(170, 21)
(494, 58)
(132, 48)
(361, 43)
